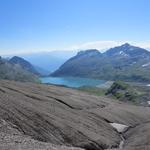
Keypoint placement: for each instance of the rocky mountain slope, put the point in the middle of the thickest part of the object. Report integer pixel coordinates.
(136, 93)
(125, 62)
(15, 72)
(12, 139)
(24, 64)
(62, 116)
(49, 61)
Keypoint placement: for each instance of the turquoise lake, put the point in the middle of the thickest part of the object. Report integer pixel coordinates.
(72, 81)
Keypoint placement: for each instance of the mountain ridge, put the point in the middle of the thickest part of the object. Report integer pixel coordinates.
(11, 71)
(127, 49)
(124, 62)
(16, 60)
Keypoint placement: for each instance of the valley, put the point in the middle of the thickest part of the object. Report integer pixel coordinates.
(84, 105)
(74, 75)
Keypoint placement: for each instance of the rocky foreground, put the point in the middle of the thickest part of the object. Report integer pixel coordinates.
(37, 116)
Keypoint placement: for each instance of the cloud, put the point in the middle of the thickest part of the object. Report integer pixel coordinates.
(105, 45)
(100, 45)
(145, 45)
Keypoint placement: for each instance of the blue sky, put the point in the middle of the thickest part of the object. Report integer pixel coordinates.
(44, 25)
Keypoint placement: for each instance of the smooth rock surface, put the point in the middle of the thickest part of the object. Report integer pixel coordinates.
(63, 116)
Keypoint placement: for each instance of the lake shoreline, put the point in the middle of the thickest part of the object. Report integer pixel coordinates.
(73, 82)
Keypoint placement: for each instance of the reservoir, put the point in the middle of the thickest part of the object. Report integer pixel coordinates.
(74, 82)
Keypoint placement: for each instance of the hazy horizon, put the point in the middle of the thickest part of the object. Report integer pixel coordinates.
(102, 50)
(32, 26)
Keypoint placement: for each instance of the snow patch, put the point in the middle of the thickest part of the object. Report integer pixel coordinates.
(119, 127)
(148, 102)
(145, 65)
(123, 53)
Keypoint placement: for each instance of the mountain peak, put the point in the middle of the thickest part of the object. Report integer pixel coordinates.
(19, 60)
(24, 64)
(16, 57)
(126, 45)
(127, 50)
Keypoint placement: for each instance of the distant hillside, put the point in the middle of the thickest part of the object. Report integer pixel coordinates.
(15, 72)
(123, 91)
(24, 64)
(125, 62)
(130, 92)
(48, 61)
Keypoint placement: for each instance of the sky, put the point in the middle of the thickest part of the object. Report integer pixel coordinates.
(28, 26)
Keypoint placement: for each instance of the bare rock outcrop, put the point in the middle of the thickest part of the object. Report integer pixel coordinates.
(63, 116)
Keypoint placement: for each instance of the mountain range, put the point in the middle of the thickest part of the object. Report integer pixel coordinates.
(38, 116)
(125, 62)
(47, 62)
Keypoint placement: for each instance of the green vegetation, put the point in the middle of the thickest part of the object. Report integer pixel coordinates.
(136, 93)
(122, 91)
(93, 90)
